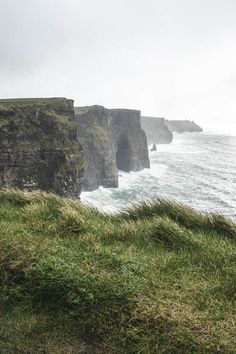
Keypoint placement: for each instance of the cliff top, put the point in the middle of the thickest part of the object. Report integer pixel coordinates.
(85, 109)
(32, 101)
(150, 117)
(125, 110)
(180, 121)
(159, 277)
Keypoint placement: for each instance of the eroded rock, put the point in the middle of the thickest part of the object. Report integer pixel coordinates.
(154, 148)
(112, 139)
(39, 147)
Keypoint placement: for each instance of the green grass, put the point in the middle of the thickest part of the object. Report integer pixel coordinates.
(157, 278)
(30, 101)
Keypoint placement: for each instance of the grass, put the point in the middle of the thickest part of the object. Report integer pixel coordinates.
(157, 278)
(30, 101)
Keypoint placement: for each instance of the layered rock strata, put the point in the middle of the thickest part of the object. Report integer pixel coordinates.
(112, 140)
(39, 147)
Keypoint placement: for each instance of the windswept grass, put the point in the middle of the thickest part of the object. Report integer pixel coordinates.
(30, 101)
(184, 216)
(158, 278)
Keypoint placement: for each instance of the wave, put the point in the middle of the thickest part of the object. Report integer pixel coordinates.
(197, 169)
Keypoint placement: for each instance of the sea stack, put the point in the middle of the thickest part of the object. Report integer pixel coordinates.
(154, 148)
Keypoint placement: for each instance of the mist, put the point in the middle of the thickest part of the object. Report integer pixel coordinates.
(167, 58)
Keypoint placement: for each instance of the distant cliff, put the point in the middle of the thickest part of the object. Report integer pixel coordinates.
(156, 130)
(39, 147)
(181, 126)
(112, 139)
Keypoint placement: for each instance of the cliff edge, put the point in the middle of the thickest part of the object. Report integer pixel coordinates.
(39, 147)
(112, 140)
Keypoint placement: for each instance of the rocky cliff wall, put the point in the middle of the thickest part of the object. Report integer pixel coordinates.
(98, 147)
(131, 141)
(181, 126)
(156, 130)
(39, 147)
(112, 139)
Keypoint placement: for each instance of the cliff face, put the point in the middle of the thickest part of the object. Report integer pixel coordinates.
(39, 147)
(112, 140)
(156, 130)
(181, 126)
(98, 147)
(130, 140)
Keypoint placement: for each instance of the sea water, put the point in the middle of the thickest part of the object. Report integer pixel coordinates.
(198, 169)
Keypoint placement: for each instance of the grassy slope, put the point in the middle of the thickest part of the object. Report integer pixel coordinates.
(159, 278)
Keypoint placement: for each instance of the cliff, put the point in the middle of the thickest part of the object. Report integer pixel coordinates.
(156, 130)
(112, 140)
(181, 126)
(98, 147)
(39, 147)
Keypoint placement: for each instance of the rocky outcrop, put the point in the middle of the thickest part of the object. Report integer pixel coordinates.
(181, 126)
(112, 140)
(39, 147)
(156, 130)
(154, 148)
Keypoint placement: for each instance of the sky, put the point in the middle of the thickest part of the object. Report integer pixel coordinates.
(168, 58)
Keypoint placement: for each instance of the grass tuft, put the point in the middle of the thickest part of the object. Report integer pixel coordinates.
(183, 215)
(157, 278)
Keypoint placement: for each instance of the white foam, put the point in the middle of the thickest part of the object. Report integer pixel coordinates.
(174, 173)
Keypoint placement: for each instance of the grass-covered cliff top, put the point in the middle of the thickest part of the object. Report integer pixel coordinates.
(86, 109)
(31, 101)
(159, 278)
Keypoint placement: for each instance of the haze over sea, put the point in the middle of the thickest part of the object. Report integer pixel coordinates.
(198, 169)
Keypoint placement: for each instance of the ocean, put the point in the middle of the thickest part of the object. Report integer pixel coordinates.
(198, 169)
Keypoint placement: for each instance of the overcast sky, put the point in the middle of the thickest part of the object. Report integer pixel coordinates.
(172, 58)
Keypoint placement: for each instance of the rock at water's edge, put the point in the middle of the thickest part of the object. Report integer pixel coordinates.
(154, 148)
(112, 139)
